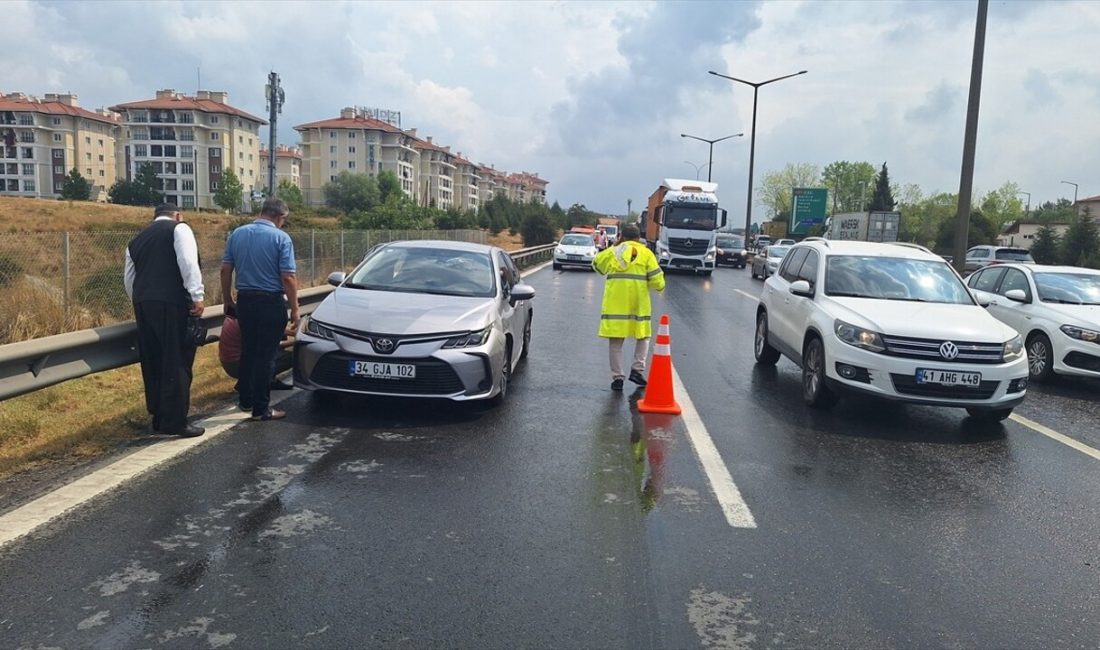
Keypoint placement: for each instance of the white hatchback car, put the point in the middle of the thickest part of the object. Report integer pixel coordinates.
(1055, 308)
(888, 320)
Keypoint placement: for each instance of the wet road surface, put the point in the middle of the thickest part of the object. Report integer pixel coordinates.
(566, 519)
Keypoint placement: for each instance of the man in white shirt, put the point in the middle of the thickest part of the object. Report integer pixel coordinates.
(164, 281)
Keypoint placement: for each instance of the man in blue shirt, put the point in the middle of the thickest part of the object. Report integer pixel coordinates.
(262, 256)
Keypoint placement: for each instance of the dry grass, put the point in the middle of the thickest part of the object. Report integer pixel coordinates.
(42, 313)
(89, 416)
(506, 241)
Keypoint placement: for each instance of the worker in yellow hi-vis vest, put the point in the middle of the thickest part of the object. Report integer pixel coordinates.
(631, 271)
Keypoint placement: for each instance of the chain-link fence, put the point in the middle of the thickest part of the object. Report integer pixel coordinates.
(63, 282)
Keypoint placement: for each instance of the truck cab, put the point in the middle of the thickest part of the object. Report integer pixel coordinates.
(680, 223)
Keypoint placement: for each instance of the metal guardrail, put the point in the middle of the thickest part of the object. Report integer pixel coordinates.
(28, 366)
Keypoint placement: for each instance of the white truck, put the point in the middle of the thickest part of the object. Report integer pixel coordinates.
(679, 224)
(864, 226)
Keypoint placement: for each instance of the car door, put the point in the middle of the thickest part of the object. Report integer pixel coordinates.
(976, 258)
(511, 315)
(984, 283)
(801, 307)
(1016, 315)
(783, 323)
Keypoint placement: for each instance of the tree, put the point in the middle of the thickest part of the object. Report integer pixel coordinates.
(982, 231)
(292, 194)
(388, 185)
(1003, 205)
(848, 183)
(538, 228)
(144, 189)
(1060, 212)
(774, 191)
(557, 216)
(76, 187)
(883, 199)
(352, 192)
(230, 192)
(1045, 248)
(1081, 243)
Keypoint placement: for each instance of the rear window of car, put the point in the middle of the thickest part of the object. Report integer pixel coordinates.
(1015, 254)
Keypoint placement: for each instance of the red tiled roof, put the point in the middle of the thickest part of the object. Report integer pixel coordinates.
(1089, 199)
(431, 146)
(185, 103)
(351, 123)
(52, 108)
(282, 154)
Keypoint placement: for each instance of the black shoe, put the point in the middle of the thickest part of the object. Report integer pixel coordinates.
(637, 378)
(617, 384)
(190, 431)
(278, 384)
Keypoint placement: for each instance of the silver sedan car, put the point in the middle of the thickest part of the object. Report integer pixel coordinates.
(419, 319)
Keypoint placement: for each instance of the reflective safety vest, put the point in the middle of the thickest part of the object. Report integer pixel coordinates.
(631, 271)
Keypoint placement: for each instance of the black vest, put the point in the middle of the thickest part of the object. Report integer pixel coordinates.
(157, 275)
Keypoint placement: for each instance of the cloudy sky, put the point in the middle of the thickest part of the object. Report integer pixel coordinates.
(594, 96)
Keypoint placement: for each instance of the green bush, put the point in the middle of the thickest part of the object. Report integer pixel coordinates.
(103, 291)
(10, 270)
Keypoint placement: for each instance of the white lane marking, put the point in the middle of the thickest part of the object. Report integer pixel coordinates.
(1054, 435)
(748, 295)
(42, 510)
(725, 490)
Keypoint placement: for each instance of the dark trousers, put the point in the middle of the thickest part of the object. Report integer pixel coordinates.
(166, 361)
(263, 319)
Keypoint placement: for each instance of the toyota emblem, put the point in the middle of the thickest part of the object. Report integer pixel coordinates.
(949, 350)
(385, 346)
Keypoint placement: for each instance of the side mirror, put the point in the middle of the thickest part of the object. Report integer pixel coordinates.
(522, 292)
(722, 224)
(336, 278)
(1016, 295)
(801, 288)
(983, 299)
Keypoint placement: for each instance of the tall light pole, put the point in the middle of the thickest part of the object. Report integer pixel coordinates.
(275, 97)
(698, 168)
(970, 140)
(1027, 210)
(752, 139)
(710, 159)
(1074, 189)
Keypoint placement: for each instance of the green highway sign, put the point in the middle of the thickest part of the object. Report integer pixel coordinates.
(807, 208)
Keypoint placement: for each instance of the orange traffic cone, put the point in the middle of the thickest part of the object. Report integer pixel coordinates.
(659, 397)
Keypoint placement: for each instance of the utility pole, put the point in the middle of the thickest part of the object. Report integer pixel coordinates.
(275, 98)
(970, 140)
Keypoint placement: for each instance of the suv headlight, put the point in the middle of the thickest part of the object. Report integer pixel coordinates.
(559, 251)
(319, 329)
(858, 337)
(1080, 333)
(471, 340)
(1014, 349)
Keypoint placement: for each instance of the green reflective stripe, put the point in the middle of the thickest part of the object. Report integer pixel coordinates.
(626, 276)
(623, 317)
(654, 272)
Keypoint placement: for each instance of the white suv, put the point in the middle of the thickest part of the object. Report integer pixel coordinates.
(891, 321)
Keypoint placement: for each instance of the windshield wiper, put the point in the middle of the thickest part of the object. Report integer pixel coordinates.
(353, 285)
(849, 294)
(1062, 301)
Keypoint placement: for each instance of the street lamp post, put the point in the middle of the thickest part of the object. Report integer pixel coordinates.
(698, 169)
(1074, 190)
(752, 140)
(710, 159)
(1027, 210)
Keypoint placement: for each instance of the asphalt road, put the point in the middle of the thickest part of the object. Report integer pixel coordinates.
(566, 519)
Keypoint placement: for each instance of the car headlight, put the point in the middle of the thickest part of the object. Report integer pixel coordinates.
(559, 251)
(1014, 349)
(1080, 333)
(858, 337)
(314, 327)
(471, 340)
(720, 251)
(709, 256)
(664, 253)
(742, 252)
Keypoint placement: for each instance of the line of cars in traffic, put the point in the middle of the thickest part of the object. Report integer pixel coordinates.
(895, 321)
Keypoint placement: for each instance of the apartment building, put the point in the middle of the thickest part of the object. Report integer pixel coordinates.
(190, 141)
(288, 166)
(355, 142)
(467, 184)
(437, 174)
(42, 140)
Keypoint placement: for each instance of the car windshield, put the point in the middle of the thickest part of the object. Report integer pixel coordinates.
(730, 242)
(439, 271)
(1014, 254)
(692, 217)
(894, 278)
(1069, 288)
(577, 240)
(778, 251)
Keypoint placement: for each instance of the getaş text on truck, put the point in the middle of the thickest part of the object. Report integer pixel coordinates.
(680, 222)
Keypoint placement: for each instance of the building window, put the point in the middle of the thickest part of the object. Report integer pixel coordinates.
(26, 136)
(158, 167)
(57, 121)
(240, 139)
(100, 157)
(169, 168)
(170, 184)
(332, 149)
(250, 142)
(213, 119)
(185, 118)
(351, 135)
(25, 119)
(215, 169)
(169, 151)
(249, 157)
(101, 143)
(28, 169)
(215, 152)
(58, 169)
(187, 151)
(240, 155)
(213, 186)
(141, 134)
(158, 151)
(332, 134)
(140, 116)
(28, 153)
(28, 186)
(57, 188)
(101, 173)
(250, 173)
(141, 150)
(351, 149)
(351, 164)
(188, 201)
(57, 137)
(187, 135)
(87, 140)
(332, 178)
(332, 164)
(215, 136)
(187, 168)
(188, 185)
(58, 153)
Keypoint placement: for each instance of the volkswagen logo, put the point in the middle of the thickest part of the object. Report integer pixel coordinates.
(949, 350)
(385, 346)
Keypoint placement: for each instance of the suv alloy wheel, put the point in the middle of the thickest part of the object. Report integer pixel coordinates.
(814, 390)
(765, 354)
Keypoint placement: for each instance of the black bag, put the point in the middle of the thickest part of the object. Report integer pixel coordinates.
(194, 334)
